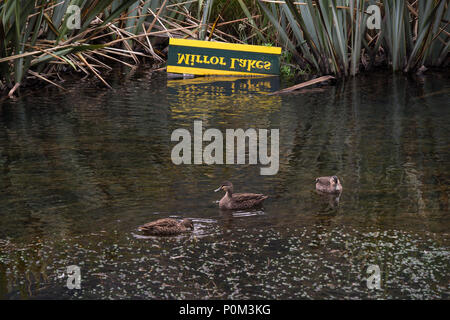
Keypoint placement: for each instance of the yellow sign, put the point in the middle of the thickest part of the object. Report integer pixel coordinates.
(219, 58)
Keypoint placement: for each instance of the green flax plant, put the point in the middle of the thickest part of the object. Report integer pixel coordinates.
(34, 33)
(332, 37)
(37, 42)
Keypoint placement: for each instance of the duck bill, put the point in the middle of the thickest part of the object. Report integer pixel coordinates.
(218, 189)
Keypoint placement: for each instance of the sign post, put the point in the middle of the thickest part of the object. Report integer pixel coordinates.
(219, 58)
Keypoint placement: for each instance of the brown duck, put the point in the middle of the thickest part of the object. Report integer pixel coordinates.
(167, 227)
(329, 184)
(238, 201)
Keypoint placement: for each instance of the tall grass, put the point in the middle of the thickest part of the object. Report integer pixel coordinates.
(325, 36)
(33, 33)
(36, 42)
(331, 36)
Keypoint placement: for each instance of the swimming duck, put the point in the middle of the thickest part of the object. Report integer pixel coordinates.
(167, 227)
(238, 201)
(328, 184)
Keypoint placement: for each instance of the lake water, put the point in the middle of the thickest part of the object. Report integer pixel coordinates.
(80, 170)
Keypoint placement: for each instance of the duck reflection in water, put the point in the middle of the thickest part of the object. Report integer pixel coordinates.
(330, 199)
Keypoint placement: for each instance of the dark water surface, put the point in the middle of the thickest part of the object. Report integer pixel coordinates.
(80, 170)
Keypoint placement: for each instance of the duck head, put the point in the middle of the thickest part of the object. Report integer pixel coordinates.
(187, 223)
(334, 181)
(227, 186)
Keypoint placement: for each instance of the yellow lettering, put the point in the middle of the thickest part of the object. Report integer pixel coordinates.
(267, 65)
(250, 64)
(214, 60)
(182, 57)
(259, 64)
(233, 60)
(222, 63)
